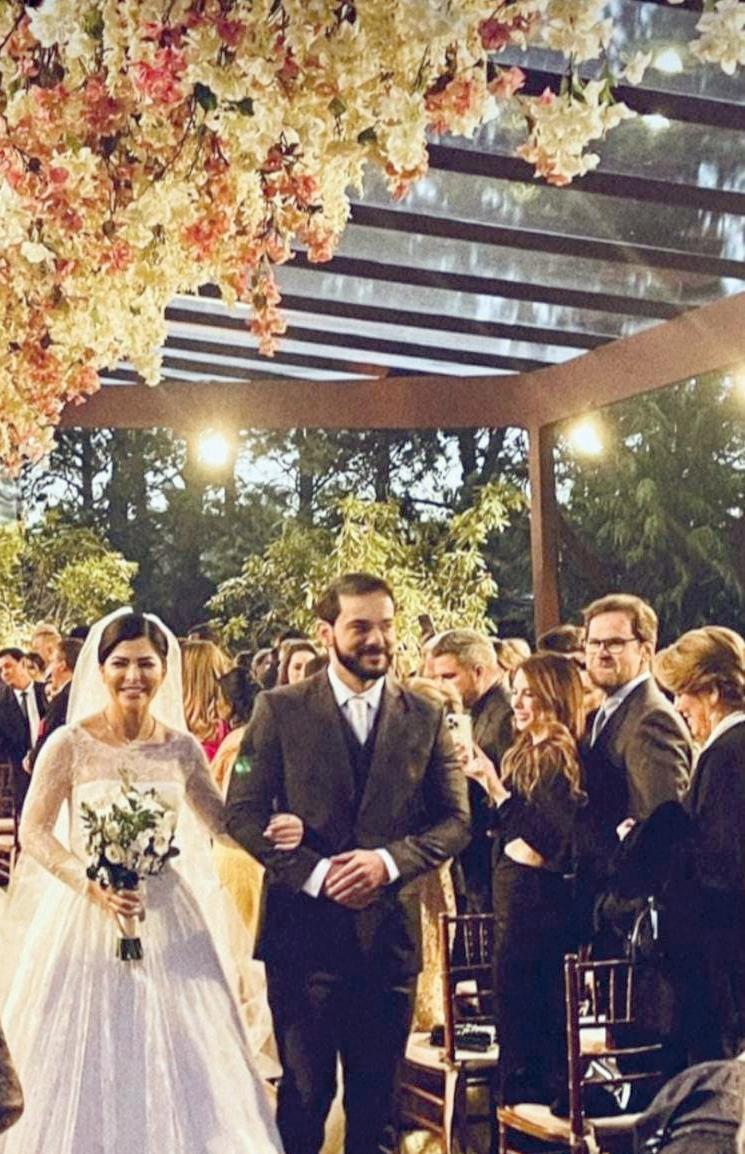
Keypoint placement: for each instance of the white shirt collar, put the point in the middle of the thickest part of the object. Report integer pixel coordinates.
(342, 692)
(611, 703)
(728, 722)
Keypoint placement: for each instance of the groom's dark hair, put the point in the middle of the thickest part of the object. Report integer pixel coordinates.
(130, 627)
(328, 605)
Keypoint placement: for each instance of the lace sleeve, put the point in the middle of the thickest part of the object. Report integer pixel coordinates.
(203, 795)
(51, 785)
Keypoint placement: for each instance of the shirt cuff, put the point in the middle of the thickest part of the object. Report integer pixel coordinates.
(314, 883)
(394, 873)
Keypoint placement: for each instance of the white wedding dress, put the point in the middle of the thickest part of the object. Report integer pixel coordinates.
(120, 1057)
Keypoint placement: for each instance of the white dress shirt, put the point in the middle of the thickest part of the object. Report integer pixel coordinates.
(361, 711)
(31, 709)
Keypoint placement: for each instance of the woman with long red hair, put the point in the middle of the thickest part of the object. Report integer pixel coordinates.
(536, 798)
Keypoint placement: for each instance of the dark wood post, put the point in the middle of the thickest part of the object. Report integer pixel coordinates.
(544, 527)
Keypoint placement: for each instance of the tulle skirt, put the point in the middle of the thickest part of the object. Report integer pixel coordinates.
(117, 1057)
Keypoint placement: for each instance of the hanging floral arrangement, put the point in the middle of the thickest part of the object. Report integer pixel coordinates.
(148, 147)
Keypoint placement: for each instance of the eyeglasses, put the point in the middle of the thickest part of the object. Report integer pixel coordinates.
(614, 645)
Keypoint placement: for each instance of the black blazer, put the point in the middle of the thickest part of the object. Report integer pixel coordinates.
(716, 804)
(295, 758)
(55, 716)
(492, 731)
(15, 735)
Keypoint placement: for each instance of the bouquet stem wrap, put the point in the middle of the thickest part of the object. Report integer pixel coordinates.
(129, 945)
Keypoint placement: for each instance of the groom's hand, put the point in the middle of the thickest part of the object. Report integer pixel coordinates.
(355, 878)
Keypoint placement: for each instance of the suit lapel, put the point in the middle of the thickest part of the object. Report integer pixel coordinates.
(389, 743)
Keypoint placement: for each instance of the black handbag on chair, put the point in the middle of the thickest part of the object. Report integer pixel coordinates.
(11, 1095)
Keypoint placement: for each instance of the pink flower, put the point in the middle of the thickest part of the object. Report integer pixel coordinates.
(160, 81)
(507, 83)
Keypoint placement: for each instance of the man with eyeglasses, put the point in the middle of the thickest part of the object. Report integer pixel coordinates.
(638, 753)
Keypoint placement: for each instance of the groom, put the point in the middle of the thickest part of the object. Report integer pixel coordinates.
(370, 769)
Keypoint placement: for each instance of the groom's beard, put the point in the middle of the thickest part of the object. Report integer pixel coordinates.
(369, 663)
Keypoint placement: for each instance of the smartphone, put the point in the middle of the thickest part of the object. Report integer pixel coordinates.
(461, 729)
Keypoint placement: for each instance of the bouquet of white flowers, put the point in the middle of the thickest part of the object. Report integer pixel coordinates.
(130, 839)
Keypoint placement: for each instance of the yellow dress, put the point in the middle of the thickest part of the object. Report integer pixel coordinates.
(239, 873)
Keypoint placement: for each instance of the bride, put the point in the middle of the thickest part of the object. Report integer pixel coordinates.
(134, 1056)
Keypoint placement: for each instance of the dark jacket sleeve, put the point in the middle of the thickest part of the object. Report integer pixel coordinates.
(256, 791)
(716, 805)
(448, 813)
(658, 760)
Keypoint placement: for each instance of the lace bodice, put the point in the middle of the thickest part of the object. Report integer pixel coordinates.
(74, 767)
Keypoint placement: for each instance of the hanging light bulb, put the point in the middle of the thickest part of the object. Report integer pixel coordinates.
(669, 61)
(585, 439)
(213, 449)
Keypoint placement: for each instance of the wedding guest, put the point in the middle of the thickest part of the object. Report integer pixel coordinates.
(570, 640)
(637, 753)
(705, 670)
(264, 668)
(35, 666)
(466, 660)
(59, 677)
(371, 771)
(511, 652)
(203, 631)
(22, 705)
(537, 796)
(43, 640)
(237, 694)
(241, 874)
(202, 665)
(436, 892)
(316, 665)
(294, 656)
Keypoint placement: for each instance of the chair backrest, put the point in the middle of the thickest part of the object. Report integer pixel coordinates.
(467, 952)
(601, 996)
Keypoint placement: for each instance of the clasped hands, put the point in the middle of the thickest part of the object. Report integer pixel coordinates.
(353, 879)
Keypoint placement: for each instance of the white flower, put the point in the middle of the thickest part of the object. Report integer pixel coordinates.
(115, 853)
(722, 39)
(35, 253)
(161, 845)
(636, 67)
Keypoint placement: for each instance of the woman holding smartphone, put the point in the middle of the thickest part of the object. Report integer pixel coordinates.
(535, 799)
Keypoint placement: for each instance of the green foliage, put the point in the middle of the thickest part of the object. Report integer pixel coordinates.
(662, 513)
(435, 567)
(57, 572)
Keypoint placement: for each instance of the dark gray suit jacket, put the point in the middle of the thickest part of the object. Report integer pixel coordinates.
(642, 757)
(294, 758)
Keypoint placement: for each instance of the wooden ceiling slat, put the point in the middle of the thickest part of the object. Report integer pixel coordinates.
(621, 185)
(529, 240)
(493, 286)
(453, 355)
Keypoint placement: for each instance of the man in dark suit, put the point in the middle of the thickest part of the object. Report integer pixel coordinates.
(22, 705)
(59, 679)
(467, 660)
(371, 770)
(638, 753)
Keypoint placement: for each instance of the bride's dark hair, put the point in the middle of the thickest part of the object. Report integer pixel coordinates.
(130, 627)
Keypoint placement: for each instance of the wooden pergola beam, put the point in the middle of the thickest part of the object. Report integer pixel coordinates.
(701, 341)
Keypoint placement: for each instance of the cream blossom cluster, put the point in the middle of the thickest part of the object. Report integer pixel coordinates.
(148, 147)
(722, 36)
(563, 126)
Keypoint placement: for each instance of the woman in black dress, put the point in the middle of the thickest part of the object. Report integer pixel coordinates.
(705, 670)
(536, 800)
